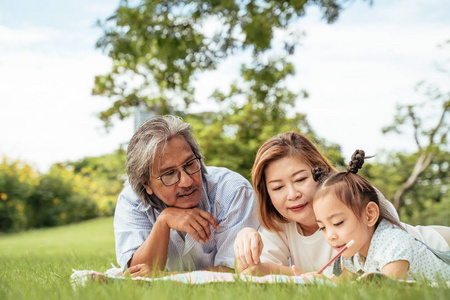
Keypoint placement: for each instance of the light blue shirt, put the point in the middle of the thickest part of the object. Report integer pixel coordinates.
(226, 195)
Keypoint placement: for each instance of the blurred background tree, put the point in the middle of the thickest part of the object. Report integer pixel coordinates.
(159, 46)
(17, 181)
(419, 183)
(69, 192)
(430, 123)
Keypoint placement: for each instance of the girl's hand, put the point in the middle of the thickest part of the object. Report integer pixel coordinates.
(307, 276)
(248, 247)
(296, 271)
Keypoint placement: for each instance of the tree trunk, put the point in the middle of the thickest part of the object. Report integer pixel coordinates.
(421, 164)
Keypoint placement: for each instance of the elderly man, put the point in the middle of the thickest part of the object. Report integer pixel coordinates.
(176, 214)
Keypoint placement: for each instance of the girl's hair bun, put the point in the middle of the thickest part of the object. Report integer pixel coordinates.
(357, 161)
(319, 173)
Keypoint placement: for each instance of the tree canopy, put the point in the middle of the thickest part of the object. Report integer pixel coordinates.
(159, 46)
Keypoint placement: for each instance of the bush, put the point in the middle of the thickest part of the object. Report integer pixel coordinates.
(32, 200)
(61, 197)
(17, 181)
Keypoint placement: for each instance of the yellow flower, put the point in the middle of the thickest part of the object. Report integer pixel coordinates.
(3, 196)
(55, 201)
(63, 215)
(19, 208)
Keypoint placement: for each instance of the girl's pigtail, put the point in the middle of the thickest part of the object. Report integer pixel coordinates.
(357, 161)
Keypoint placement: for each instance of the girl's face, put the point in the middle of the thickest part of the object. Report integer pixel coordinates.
(340, 225)
(289, 184)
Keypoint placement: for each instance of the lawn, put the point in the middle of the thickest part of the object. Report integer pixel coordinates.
(38, 264)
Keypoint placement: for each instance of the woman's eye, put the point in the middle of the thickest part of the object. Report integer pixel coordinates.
(321, 228)
(277, 188)
(339, 223)
(300, 179)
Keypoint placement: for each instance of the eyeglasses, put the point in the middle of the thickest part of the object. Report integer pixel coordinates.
(173, 176)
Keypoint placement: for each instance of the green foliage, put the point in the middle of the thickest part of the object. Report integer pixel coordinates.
(106, 174)
(37, 265)
(253, 111)
(61, 197)
(427, 202)
(430, 124)
(157, 47)
(69, 192)
(17, 182)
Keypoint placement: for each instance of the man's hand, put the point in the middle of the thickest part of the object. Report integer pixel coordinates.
(140, 270)
(193, 221)
(248, 247)
(143, 270)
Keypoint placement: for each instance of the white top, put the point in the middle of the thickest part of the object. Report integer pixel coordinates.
(310, 253)
(389, 244)
(289, 247)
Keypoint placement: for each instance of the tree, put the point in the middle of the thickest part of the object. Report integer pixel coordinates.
(159, 46)
(253, 111)
(430, 123)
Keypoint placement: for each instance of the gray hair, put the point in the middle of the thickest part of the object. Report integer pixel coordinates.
(152, 136)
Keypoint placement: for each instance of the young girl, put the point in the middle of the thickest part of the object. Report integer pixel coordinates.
(347, 208)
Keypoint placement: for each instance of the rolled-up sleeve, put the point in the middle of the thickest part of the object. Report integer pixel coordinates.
(131, 226)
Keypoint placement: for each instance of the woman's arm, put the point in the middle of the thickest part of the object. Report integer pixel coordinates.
(263, 269)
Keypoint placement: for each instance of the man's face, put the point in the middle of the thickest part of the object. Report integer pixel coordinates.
(186, 192)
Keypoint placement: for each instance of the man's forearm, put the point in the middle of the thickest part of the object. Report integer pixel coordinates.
(153, 252)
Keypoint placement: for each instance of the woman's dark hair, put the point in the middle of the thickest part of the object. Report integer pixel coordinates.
(351, 189)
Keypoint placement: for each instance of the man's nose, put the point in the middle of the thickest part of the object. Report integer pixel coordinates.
(185, 179)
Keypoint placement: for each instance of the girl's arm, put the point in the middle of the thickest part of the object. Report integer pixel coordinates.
(396, 269)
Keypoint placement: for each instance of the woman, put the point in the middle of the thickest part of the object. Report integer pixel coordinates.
(289, 235)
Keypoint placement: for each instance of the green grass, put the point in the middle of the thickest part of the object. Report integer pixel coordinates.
(38, 264)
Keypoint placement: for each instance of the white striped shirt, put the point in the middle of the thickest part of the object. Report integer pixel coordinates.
(226, 195)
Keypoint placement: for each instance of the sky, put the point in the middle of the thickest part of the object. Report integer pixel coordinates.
(355, 70)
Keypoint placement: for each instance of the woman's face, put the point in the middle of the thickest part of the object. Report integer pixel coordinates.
(290, 185)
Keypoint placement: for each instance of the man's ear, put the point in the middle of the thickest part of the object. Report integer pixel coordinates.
(147, 188)
(372, 213)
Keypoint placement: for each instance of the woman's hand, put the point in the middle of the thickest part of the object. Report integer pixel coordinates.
(248, 247)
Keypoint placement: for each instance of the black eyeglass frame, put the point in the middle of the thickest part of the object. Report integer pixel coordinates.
(179, 172)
